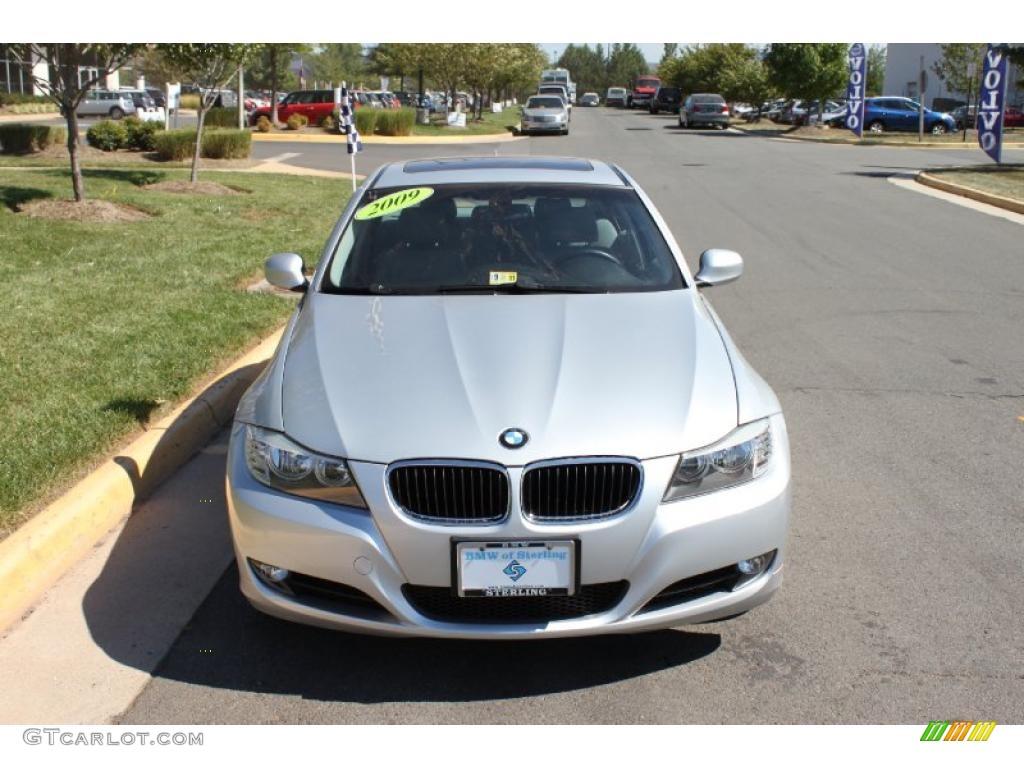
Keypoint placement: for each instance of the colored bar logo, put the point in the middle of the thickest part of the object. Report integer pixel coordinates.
(958, 730)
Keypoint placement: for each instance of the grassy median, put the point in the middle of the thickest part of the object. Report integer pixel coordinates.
(1003, 180)
(107, 324)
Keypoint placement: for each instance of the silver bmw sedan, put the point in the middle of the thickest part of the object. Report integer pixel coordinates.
(504, 408)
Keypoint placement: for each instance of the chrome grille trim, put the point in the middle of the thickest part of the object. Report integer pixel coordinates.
(450, 491)
(580, 489)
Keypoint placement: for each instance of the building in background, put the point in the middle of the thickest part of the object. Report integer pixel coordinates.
(16, 73)
(903, 66)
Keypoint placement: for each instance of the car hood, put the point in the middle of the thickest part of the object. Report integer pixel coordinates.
(386, 378)
(532, 112)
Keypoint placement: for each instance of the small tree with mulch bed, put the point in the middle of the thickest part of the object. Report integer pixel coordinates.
(211, 66)
(74, 69)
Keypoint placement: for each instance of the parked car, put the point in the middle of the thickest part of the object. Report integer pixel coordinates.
(704, 109)
(740, 110)
(666, 98)
(964, 117)
(545, 113)
(642, 91)
(615, 97)
(590, 100)
(1013, 117)
(557, 89)
(145, 107)
(898, 113)
(469, 469)
(315, 105)
(158, 96)
(773, 109)
(103, 103)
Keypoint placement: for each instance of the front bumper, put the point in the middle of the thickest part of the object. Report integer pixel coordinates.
(651, 546)
(530, 127)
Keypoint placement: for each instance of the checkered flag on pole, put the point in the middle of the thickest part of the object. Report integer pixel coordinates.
(347, 125)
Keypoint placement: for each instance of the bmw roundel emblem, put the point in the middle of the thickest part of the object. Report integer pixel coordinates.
(513, 438)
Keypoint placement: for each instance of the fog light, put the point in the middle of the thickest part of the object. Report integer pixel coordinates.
(270, 572)
(755, 565)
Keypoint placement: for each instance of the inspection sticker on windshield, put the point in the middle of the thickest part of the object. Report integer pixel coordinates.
(504, 278)
(396, 201)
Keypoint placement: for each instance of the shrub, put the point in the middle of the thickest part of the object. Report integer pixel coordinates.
(141, 134)
(297, 121)
(227, 144)
(19, 138)
(107, 135)
(396, 122)
(263, 124)
(366, 120)
(8, 99)
(175, 145)
(189, 101)
(222, 117)
(218, 144)
(329, 123)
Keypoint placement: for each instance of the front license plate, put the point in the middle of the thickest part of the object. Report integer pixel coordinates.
(515, 568)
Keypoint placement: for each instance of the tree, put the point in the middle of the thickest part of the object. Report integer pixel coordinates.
(271, 69)
(339, 62)
(808, 70)
(669, 51)
(876, 71)
(625, 64)
(210, 66)
(954, 68)
(67, 83)
(586, 66)
(733, 70)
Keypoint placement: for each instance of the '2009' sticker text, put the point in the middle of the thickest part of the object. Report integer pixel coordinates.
(396, 201)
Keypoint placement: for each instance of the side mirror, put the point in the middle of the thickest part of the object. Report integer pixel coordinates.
(718, 266)
(285, 270)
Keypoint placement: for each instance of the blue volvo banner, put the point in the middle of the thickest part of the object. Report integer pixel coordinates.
(858, 63)
(993, 102)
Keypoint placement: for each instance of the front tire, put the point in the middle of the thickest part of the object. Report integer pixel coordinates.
(939, 129)
(116, 113)
(876, 126)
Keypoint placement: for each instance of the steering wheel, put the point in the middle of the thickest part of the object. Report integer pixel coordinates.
(595, 252)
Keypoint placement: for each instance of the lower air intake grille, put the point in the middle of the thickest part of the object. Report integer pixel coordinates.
(579, 490)
(451, 493)
(721, 580)
(440, 604)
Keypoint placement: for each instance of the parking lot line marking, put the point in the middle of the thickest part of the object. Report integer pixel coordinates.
(282, 158)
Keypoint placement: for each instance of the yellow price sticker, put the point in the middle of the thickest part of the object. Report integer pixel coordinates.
(396, 201)
(504, 278)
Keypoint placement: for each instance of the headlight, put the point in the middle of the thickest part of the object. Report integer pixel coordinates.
(741, 456)
(279, 463)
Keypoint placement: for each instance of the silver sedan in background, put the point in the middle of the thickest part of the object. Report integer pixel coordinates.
(506, 409)
(545, 114)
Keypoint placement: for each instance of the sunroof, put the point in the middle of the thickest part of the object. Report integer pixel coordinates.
(489, 163)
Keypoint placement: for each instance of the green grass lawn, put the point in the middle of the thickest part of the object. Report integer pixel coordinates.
(106, 325)
(1004, 180)
(490, 124)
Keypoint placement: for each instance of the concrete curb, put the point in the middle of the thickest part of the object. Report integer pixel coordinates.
(335, 138)
(35, 556)
(974, 194)
(897, 144)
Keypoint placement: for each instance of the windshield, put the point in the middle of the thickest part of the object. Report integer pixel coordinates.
(552, 102)
(647, 83)
(500, 237)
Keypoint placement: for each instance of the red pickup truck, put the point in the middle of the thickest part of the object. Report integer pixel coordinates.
(642, 92)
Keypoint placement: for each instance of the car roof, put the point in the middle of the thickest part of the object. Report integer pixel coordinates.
(516, 169)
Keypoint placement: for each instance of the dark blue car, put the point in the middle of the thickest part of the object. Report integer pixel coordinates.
(896, 113)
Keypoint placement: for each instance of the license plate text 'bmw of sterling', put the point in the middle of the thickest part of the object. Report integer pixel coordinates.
(505, 408)
(515, 568)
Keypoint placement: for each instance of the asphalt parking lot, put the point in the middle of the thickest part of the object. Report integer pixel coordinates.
(888, 323)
